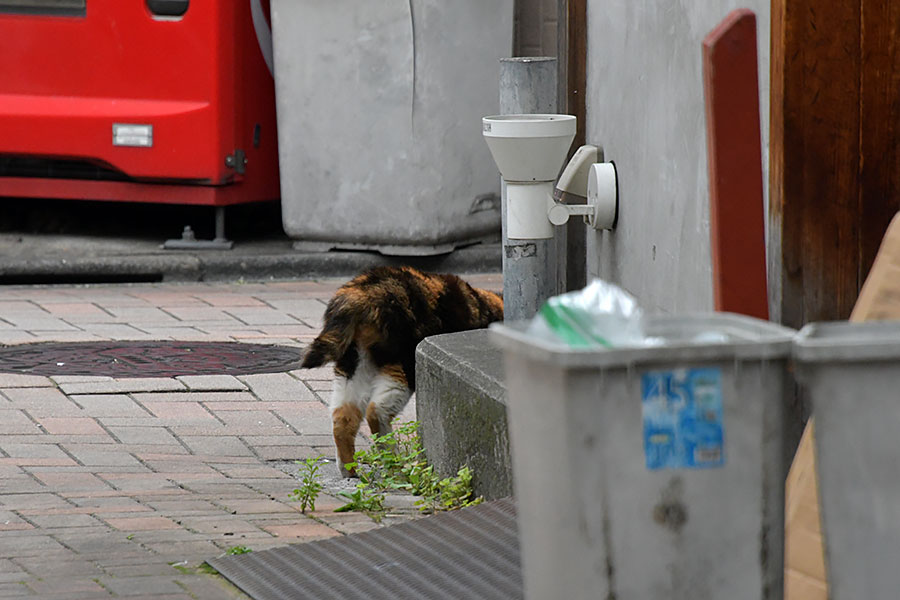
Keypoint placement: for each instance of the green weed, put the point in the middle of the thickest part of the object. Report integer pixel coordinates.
(396, 461)
(310, 487)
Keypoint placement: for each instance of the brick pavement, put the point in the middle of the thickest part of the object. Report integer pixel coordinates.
(122, 488)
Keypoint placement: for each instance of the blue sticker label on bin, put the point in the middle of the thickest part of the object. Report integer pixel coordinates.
(682, 411)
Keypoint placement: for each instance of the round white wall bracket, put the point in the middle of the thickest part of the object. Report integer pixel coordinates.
(602, 206)
(603, 195)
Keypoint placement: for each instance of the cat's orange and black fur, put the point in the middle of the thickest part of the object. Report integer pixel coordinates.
(372, 326)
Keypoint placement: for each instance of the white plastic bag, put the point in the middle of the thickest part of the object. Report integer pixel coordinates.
(601, 315)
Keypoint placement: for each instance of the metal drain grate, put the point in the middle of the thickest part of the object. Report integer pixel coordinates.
(147, 359)
(470, 553)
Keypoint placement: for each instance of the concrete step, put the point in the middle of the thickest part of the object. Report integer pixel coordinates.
(461, 405)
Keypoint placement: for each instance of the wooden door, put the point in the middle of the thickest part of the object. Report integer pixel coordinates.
(834, 160)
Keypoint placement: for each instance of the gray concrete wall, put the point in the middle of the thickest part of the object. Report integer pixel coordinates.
(645, 107)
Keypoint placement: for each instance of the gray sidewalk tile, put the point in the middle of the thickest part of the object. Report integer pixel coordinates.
(110, 405)
(145, 585)
(204, 396)
(212, 383)
(143, 435)
(210, 444)
(278, 387)
(18, 380)
(16, 421)
(119, 386)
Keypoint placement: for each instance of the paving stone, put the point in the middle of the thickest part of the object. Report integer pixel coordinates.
(78, 312)
(17, 450)
(71, 425)
(214, 445)
(10, 521)
(177, 508)
(257, 507)
(225, 299)
(181, 412)
(308, 418)
(15, 590)
(46, 522)
(94, 455)
(134, 482)
(306, 529)
(252, 472)
(307, 440)
(110, 503)
(138, 315)
(146, 585)
(147, 420)
(143, 435)
(16, 421)
(201, 586)
(196, 397)
(110, 405)
(211, 383)
(15, 545)
(16, 337)
(41, 567)
(286, 452)
(198, 312)
(17, 380)
(72, 482)
(41, 500)
(277, 387)
(159, 568)
(219, 525)
(301, 308)
(42, 402)
(249, 420)
(148, 523)
(123, 386)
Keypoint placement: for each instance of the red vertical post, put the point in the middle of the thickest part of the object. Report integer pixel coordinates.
(736, 211)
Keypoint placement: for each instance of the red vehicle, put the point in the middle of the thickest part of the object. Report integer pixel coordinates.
(168, 101)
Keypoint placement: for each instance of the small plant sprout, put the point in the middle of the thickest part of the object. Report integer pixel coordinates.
(235, 550)
(310, 486)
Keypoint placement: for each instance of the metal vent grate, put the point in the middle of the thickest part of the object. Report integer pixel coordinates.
(470, 553)
(56, 168)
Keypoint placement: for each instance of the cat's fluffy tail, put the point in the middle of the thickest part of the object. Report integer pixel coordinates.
(341, 318)
(317, 354)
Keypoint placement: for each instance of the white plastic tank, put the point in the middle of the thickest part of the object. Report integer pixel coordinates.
(379, 121)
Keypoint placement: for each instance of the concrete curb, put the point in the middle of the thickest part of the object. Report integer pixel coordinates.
(89, 262)
(461, 405)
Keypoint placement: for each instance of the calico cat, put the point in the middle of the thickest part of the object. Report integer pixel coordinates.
(372, 326)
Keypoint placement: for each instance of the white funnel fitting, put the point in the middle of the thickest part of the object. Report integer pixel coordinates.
(529, 151)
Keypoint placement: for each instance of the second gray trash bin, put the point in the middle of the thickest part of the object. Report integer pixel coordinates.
(852, 373)
(651, 472)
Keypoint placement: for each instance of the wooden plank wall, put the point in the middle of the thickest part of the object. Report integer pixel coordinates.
(834, 170)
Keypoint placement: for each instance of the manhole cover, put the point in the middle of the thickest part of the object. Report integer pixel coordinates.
(147, 359)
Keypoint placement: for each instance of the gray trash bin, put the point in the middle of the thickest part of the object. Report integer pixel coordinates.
(852, 374)
(654, 472)
(379, 121)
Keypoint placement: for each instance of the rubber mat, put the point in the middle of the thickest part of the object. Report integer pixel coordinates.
(469, 553)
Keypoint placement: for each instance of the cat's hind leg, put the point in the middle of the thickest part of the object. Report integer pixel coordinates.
(390, 394)
(345, 420)
(352, 384)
